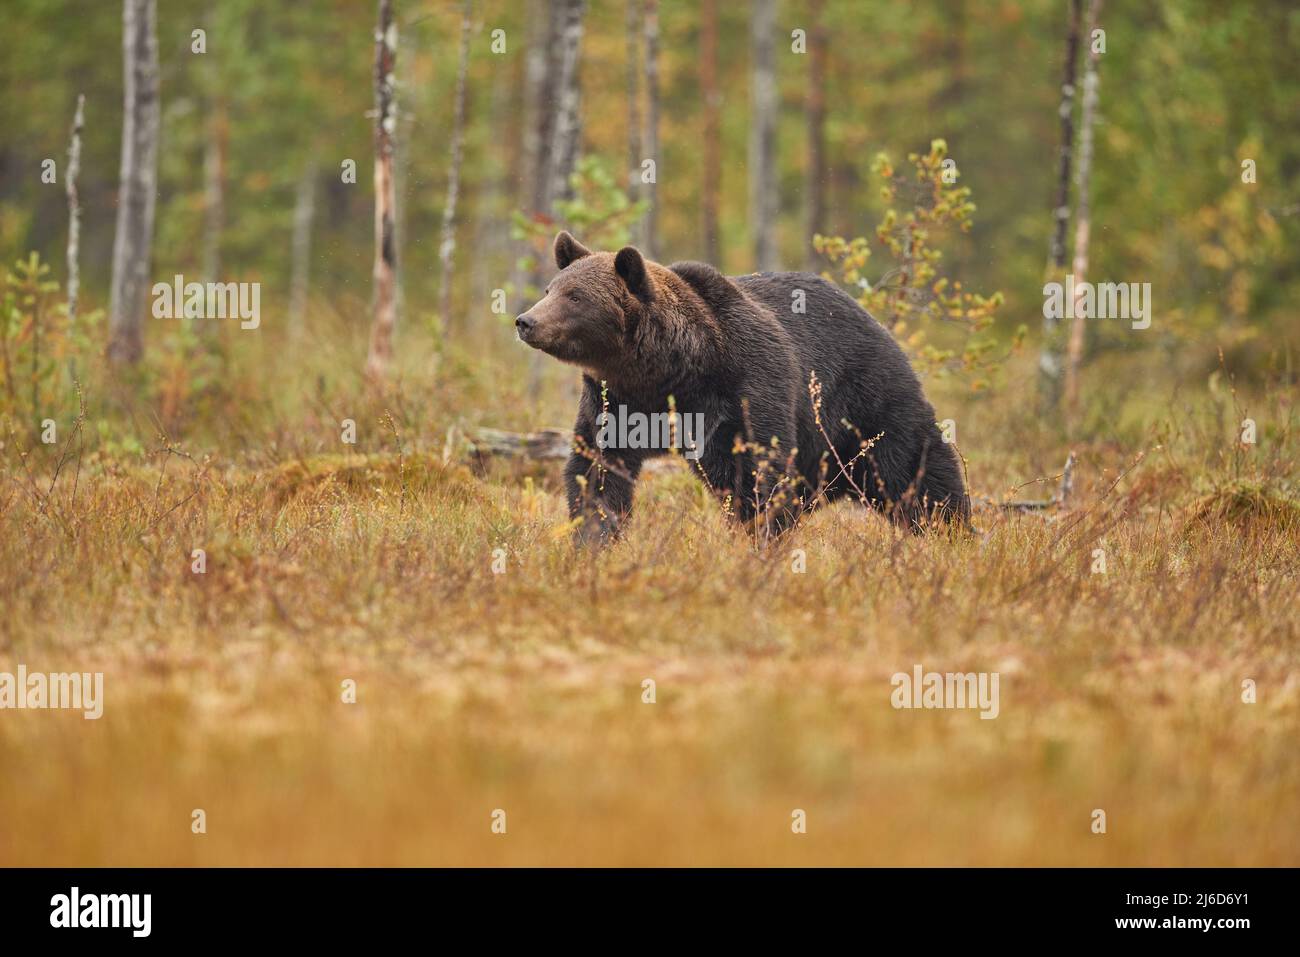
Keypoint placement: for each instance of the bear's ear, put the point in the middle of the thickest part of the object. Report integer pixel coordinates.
(631, 269)
(568, 249)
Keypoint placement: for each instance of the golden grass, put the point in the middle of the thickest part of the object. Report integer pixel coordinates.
(1246, 505)
(522, 690)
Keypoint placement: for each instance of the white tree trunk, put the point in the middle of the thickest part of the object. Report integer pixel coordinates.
(1049, 357)
(562, 154)
(133, 239)
(559, 145)
(74, 211)
(447, 248)
(1083, 216)
(536, 132)
(384, 323)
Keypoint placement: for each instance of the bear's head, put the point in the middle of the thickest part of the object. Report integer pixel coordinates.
(591, 307)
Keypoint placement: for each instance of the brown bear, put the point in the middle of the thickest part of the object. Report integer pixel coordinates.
(784, 392)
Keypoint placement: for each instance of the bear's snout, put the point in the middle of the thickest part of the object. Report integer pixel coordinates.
(524, 325)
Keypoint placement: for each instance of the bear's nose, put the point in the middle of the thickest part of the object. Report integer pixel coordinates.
(524, 323)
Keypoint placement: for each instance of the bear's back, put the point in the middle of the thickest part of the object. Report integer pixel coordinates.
(834, 335)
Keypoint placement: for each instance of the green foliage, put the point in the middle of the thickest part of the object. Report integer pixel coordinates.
(283, 88)
(599, 213)
(40, 351)
(912, 295)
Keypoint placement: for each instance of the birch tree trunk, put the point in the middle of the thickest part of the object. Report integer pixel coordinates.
(1049, 358)
(762, 135)
(635, 155)
(495, 206)
(815, 183)
(137, 193)
(541, 68)
(560, 135)
(651, 237)
(385, 271)
(304, 212)
(1083, 218)
(538, 73)
(566, 131)
(712, 132)
(537, 117)
(74, 211)
(447, 248)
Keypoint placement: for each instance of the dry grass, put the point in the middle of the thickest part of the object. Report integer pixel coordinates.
(522, 690)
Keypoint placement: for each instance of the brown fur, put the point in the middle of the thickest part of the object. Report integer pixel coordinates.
(737, 354)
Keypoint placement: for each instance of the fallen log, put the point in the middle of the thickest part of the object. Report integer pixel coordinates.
(482, 444)
(556, 444)
(542, 444)
(1059, 499)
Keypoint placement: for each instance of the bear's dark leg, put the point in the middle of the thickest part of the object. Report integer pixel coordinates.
(597, 483)
(918, 491)
(941, 490)
(759, 474)
(600, 494)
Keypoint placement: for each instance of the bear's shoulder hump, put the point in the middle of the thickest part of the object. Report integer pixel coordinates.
(710, 285)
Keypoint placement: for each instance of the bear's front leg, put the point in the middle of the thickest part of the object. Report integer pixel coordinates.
(774, 494)
(753, 463)
(599, 491)
(597, 483)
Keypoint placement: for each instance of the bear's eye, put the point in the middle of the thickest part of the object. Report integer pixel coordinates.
(574, 297)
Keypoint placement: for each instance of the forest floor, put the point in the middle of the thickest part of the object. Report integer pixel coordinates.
(522, 688)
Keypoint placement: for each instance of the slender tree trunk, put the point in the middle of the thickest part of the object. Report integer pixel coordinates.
(559, 132)
(712, 131)
(504, 119)
(1049, 360)
(133, 238)
(635, 154)
(401, 176)
(1083, 218)
(1061, 213)
(566, 131)
(950, 110)
(214, 195)
(539, 78)
(816, 190)
(447, 248)
(537, 117)
(385, 271)
(762, 134)
(304, 211)
(651, 237)
(543, 60)
(495, 206)
(74, 211)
